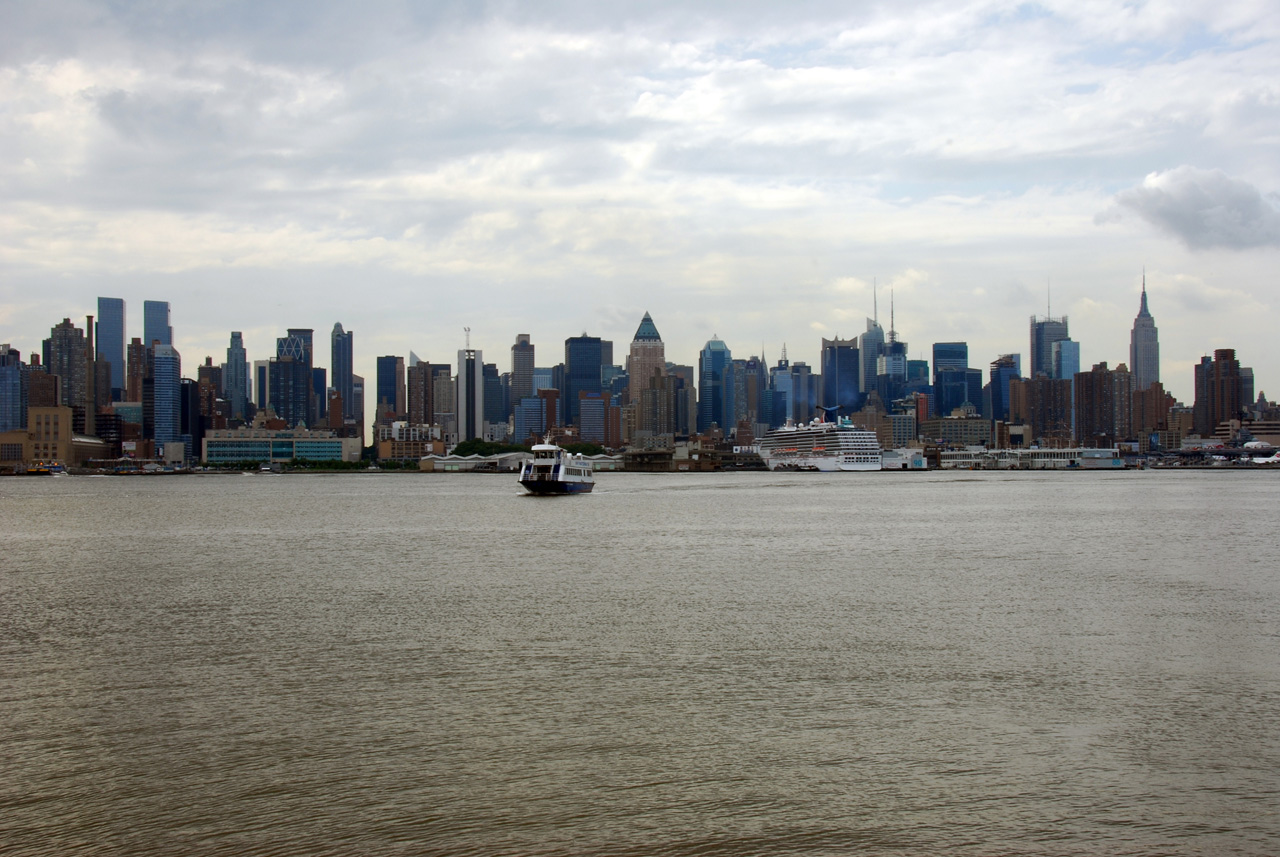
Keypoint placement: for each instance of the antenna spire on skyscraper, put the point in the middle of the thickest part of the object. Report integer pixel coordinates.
(893, 334)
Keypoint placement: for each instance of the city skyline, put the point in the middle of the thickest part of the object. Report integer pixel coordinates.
(746, 171)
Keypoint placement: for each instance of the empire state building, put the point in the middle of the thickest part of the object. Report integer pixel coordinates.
(1144, 346)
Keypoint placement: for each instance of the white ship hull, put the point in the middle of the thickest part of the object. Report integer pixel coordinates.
(823, 447)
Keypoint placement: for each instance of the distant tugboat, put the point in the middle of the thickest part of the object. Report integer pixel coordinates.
(554, 471)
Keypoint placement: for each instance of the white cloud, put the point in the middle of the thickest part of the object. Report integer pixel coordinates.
(1204, 209)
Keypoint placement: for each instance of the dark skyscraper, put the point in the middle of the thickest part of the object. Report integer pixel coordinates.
(583, 360)
(949, 355)
(1004, 369)
(841, 379)
(715, 387)
(236, 377)
(470, 394)
(522, 368)
(294, 401)
(341, 369)
(1219, 391)
(110, 342)
(391, 387)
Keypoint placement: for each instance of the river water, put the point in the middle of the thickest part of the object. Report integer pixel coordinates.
(1022, 663)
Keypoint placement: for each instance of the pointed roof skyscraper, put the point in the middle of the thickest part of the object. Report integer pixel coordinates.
(647, 331)
(1144, 345)
(646, 360)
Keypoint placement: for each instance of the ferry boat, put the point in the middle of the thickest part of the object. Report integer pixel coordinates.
(838, 446)
(554, 471)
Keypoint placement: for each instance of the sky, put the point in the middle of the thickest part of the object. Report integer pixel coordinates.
(747, 170)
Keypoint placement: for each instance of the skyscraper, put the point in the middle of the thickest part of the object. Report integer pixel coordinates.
(1103, 405)
(841, 382)
(1219, 391)
(290, 383)
(341, 367)
(65, 355)
(391, 387)
(1066, 359)
(870, 345)
(1144, 346)
(891, 365)
(166, 377)
(137, 370)
(646, 360)
(1044, 332)
(111, 342)
(949, 355)
(494, 406)
(715, 386)
(155, 323)
(521, 368)
(1004, 369)
(583, 360)
(470, 392)
(953, 386)
(13, 388)
(236, 377)
(262, 384)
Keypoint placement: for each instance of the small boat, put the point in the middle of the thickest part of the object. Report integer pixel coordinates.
(554, 471)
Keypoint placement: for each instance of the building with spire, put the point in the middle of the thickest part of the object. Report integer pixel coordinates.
(891, 365)
(1144, 346)
(870, 344)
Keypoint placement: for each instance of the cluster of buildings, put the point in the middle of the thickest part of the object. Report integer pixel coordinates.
(93, 395)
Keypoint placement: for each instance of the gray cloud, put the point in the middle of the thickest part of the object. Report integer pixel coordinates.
(1204, 208)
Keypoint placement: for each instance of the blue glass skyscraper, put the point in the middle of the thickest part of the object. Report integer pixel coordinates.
(13, 383)
(155, 323)
(166, 376)
(110, 342)
(715, 387)
(583, 359)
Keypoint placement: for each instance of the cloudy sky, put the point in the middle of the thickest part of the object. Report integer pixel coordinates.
(739, 169)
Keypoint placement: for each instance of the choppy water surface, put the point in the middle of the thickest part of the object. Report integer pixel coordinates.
(720, 664)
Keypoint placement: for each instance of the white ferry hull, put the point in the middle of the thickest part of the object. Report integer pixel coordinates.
(557, 486)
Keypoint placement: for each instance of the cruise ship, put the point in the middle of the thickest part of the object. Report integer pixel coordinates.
(821, 446)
